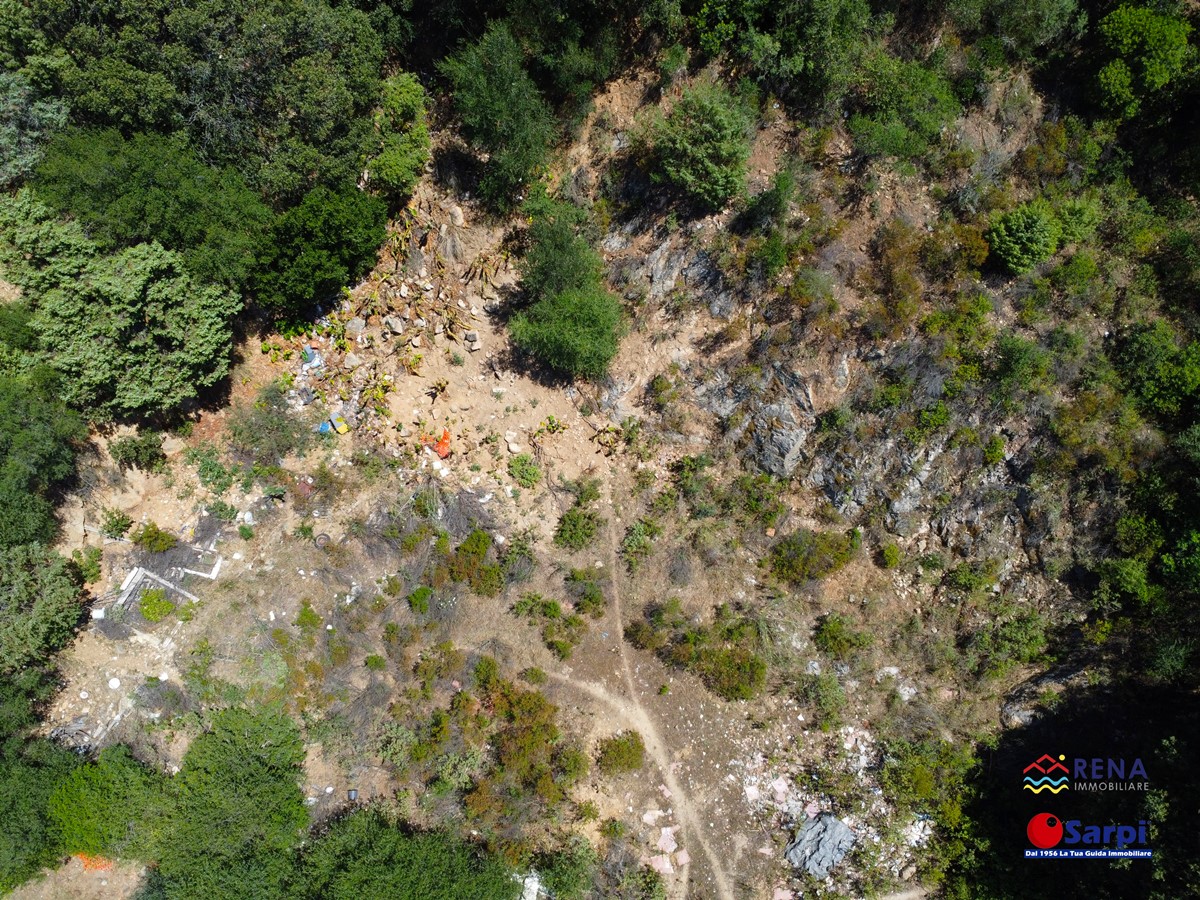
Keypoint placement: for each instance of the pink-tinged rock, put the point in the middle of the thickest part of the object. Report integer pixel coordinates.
(651, 816)
(781, 788)
(662, 864)
(767, 851)
(783, 894)
(752, 793)
(666, 791)
(682, 858)
(666, 841)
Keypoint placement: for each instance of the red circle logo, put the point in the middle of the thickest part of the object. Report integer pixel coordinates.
(1045, 831)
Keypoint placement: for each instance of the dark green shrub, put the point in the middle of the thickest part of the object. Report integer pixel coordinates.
(141, 451)
(701, 147)
(152, 538)
(807, 555)
(316, 248)
(104, 808)
(733, 673)
(576, 332)
(833, 635)
(375, 662)
(1025, 236)
(501, 110)
(577, 528)
(418, 600)
(40, 603)
(401, 138)
(624, 752)
(905, 106)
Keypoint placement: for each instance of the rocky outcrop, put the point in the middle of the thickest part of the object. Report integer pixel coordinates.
(820, 844)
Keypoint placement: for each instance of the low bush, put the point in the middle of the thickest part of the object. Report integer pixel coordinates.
(141, 451)
(152, 538)
(577, 528)
(622, 753)
(524, 470)
(808, 555)
(576, 332)
(1025, 236)
(833, 635)
(702, 146)
(154, 605)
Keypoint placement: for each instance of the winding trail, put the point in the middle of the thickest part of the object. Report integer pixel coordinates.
(633, 711)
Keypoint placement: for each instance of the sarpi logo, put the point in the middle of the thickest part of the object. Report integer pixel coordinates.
(1047, 832)
(1047, 774)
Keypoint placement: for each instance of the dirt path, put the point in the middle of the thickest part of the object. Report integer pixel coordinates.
(657, 747)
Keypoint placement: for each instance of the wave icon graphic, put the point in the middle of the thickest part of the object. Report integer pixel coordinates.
(1053, 785)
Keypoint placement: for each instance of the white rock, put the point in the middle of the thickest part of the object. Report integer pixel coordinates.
(114, 683)
(164, 676)
(83, 695)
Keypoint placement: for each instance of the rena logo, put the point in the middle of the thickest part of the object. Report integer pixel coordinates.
(1046, 830)
(1046, 774)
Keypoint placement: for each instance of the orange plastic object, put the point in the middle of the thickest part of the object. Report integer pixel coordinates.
(442, 446)
(94, 863)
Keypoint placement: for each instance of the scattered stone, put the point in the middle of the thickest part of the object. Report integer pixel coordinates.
(456, 216)
(475, 345)
(514, 447)
(403, 289)
(439, 328)
(471, 336)
(820, 844)
(114, 683)
(416, 341)
(83, 695)
(427, 287)
(394, 324)
(352, 361)
(420, 323)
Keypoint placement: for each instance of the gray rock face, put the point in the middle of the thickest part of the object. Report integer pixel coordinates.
(820, 844)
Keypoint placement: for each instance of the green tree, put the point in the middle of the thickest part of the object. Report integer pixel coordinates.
(38, 436)
(281, 91)
(137, 335)
(1149, 50)
(576, 332)
(326, 243)
(804, 51)
(702, 146)
(402, 136)
(365, 855)
(238, 811)
(29, 840)
(1163, 374)
(502, 112)
(1023, 237)
(109, 807)
(154, 188)
(41, 602)
(26, 122)
(904, 107)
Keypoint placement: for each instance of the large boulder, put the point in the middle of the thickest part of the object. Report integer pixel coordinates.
(820, 844)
